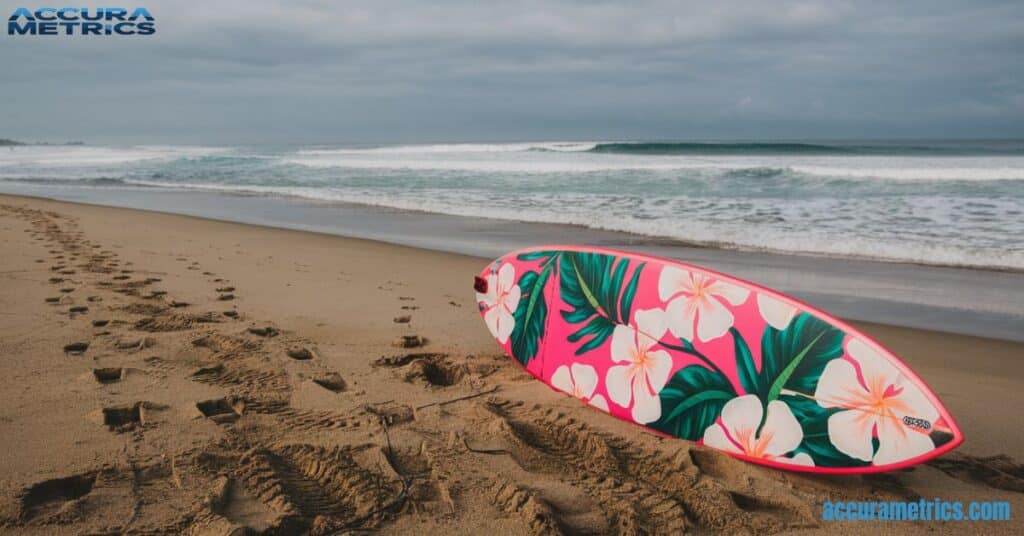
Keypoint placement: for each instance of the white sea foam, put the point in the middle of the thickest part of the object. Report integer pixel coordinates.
(85, 162)
(451, 148)
(574, 158)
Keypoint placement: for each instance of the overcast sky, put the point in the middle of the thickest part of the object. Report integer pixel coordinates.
(250, 71)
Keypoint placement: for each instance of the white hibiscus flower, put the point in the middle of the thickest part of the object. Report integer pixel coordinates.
(580, 381)
(736, 431)
(500, 302)
(876, 398)
(776, 312)
(698, 300)
(644, 371)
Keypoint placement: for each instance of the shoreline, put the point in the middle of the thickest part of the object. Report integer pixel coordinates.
(220, 421)
(629, 237)
(966, 301)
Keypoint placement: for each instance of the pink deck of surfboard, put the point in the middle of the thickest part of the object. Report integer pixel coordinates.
(703, 356)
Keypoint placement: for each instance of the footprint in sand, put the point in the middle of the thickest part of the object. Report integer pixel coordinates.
(226, 297)
(76, 348)
(300, 354)
(331, 381)
(221, 410)
(405, 319)
(124, 418)
(50, 497)
(264, 332)
(109, 374)
(410, 341)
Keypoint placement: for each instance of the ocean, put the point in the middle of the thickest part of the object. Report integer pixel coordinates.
(945, 203)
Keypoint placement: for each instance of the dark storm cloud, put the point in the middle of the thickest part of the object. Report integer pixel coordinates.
(254, 71)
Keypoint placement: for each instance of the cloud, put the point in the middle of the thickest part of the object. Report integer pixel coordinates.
(312, 71)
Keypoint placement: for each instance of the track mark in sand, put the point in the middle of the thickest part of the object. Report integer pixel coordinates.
(302, 420)
(243, 381)
(432, 368)
(640, 489)
(78, 309)
(150, 309)
(45, 500)
(176, 322)
(513, 499)
(100, 323)
(159, 363)
(221, 410)
(317, 490)
(230, 314)
(999, 471)
(108, 375)
(404, 319)
(225, 344)
(225, 297)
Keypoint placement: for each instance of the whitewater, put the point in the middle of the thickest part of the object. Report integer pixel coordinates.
(942, 203)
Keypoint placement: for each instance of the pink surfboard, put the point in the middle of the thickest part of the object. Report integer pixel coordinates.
(710, 358)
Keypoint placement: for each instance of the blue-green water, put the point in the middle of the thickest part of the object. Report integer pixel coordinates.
(959, 203)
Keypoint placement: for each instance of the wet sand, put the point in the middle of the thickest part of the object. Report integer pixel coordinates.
(168, 373)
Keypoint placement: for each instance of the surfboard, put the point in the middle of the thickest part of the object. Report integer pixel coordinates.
(703, 356)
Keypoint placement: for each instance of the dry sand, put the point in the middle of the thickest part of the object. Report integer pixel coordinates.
(239, 376)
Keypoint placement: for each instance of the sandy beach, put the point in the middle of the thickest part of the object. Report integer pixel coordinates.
(172, 374)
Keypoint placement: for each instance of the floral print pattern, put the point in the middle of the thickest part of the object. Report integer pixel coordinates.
(580, 381)
(874, 399)
(698, 304)
(499, 303)
(642, 369)
(739, 431)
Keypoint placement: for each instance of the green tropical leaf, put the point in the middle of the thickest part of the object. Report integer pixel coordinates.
(594, 286)
(795, 357)
(530, 315)
(814, 420)
(750, 380)
(691, 401)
